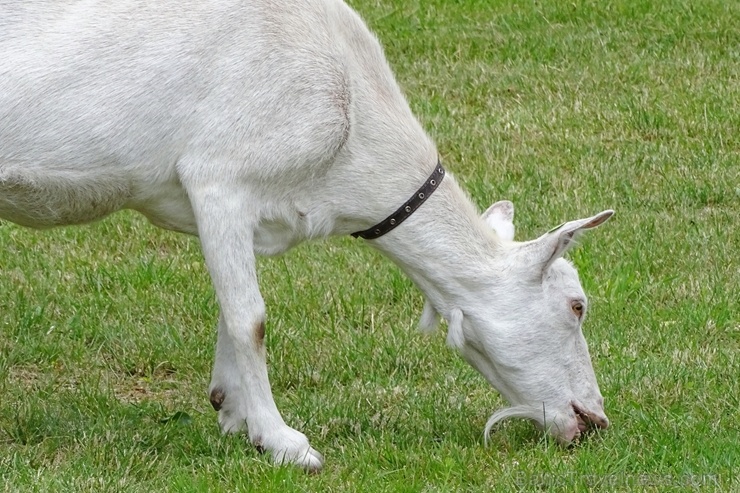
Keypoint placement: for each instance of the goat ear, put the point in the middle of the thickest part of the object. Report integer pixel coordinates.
(555, 243)
(455, 336)
(429, 318)
(500, 217)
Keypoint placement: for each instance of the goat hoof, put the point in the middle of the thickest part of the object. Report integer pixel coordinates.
(290, 446)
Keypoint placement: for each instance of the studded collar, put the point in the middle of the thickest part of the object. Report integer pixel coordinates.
(408, 208)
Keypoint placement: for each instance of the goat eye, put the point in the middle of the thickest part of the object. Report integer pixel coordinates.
(577, 308)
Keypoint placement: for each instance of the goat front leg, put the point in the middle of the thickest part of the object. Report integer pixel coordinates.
(240, 389)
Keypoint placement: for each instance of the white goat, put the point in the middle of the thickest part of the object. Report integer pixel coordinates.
(257, 125)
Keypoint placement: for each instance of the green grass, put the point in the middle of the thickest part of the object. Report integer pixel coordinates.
(566, 108)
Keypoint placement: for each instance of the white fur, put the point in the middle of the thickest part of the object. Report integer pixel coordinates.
(429, 320)
(455, 334)
(257, 125)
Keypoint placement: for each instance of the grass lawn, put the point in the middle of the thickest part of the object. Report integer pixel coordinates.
(107, 331)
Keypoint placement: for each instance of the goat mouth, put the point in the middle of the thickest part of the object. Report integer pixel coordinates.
(583, 418)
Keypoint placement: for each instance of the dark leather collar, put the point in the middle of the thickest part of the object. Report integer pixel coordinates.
(403, 212)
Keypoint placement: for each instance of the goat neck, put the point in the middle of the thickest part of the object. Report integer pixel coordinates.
(443, 247)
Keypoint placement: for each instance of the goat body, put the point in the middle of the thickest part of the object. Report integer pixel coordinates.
(257, 125)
